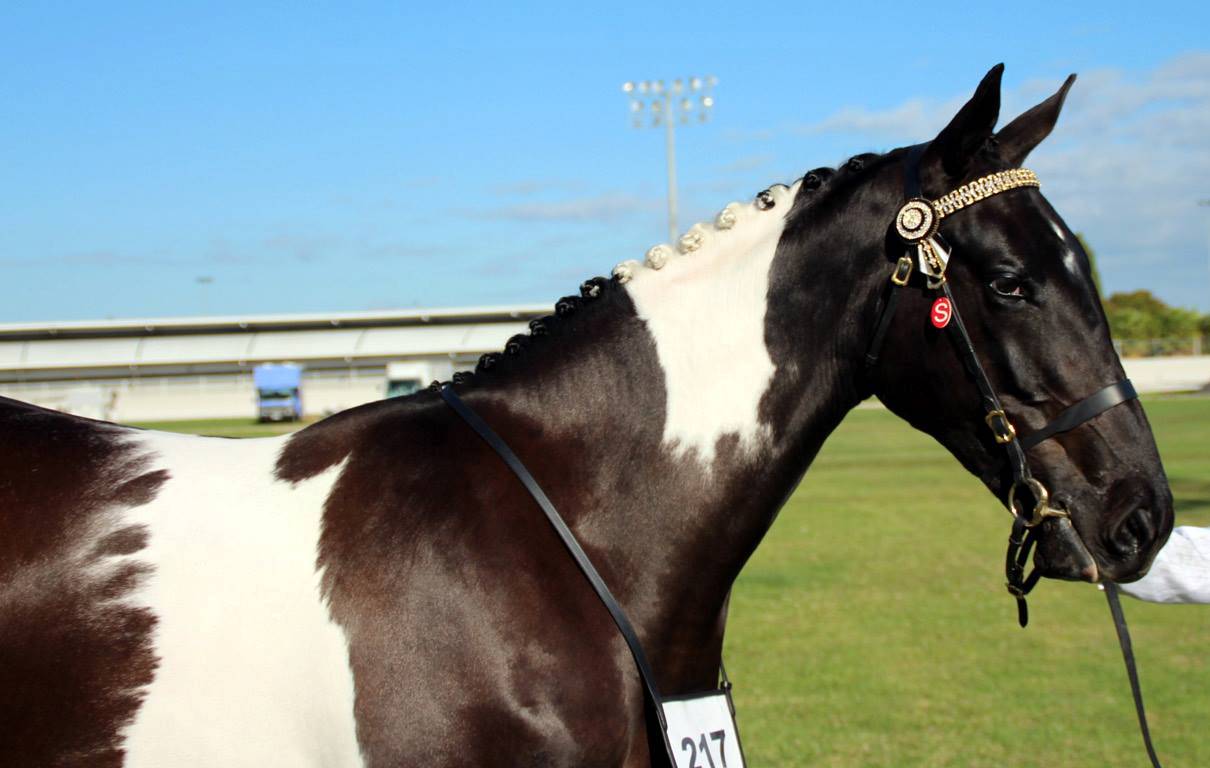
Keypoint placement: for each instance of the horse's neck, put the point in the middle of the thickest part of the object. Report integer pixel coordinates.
(671, 438)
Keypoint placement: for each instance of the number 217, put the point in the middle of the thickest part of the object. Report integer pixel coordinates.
(687, 745)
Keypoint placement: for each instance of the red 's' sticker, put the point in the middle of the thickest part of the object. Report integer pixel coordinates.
(941, 313)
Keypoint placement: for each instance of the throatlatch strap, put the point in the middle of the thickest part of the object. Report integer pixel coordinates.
(1119, 623)
(1088, 408)
(884, 325)
(569, 540)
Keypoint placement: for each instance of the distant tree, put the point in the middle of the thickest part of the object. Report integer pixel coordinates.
(1141, 300)
(1132, 324)
(1092, 261)
(1179, 322)
(1139, 316)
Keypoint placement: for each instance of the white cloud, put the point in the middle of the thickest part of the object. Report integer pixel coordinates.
(536, 187)
(607, 206)
(1127, 165)
(916, 117)
(756, 161)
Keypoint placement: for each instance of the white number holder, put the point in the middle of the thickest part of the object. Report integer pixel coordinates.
(701, 730)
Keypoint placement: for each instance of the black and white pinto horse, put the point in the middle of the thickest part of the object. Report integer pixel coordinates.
(379, 590)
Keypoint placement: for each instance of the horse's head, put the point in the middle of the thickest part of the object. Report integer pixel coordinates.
(1023, 286)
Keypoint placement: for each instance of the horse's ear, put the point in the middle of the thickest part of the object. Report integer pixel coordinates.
(1018, 138)
(957, 143)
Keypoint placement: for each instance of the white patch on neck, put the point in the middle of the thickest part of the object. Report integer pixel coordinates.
(706, 312)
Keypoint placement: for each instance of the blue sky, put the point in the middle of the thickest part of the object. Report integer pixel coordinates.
(371, 155)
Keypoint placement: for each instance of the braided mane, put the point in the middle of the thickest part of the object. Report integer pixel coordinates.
(698, 236)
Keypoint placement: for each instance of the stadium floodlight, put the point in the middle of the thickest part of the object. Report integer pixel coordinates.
(668, 105)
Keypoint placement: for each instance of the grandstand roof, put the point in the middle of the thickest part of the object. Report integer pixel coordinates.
(249, 323)
(80, 348)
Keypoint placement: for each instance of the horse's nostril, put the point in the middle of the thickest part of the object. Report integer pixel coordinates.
(1134, 533)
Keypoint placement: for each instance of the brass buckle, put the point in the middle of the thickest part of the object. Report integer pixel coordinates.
(903, 271)
(1041, 510)
(1001, 427)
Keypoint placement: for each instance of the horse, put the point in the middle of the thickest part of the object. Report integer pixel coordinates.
(378, 589)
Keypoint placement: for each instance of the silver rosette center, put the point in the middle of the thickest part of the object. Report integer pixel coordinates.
(916, 220)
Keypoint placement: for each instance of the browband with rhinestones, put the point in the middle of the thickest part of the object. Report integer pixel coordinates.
(991, 184)
(918, 219)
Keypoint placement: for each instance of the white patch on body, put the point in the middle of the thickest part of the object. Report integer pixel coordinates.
(252, 670)
(706, 312)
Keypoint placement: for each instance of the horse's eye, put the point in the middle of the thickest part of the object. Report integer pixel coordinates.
(1008, 286)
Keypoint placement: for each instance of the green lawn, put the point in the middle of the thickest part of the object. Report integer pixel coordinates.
(226, 427)
(872, 628)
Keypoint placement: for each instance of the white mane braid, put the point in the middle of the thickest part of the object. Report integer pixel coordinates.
(702, 235)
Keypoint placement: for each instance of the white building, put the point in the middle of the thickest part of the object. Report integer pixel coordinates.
(201, 367)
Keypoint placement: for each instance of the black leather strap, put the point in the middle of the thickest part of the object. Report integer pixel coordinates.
(569, 540)
(884, 325)
(911, 186)
(911, 170)
(1088, 408)
(1119, 623)
(966, 349)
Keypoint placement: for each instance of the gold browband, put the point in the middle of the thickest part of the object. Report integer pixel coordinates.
(991, 184)
(918, 219)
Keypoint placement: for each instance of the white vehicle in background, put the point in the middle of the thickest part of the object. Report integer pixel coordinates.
(278, 392)
(404, 378)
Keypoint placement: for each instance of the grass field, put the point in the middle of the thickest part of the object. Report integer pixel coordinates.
(872, 628)
(226, 427)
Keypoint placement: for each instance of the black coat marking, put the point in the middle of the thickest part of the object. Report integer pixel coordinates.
(73, 656)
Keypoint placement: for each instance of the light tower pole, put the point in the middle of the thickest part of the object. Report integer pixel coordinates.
(667, 104)
(1204, 203)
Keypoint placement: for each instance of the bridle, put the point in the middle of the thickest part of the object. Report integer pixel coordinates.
(917, 223)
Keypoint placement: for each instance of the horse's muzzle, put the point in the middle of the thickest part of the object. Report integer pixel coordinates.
(1062, 554)
(1118, 544)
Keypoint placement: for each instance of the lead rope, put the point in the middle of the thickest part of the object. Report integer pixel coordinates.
(1119, 623)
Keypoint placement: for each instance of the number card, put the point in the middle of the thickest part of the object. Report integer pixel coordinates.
(702, 732)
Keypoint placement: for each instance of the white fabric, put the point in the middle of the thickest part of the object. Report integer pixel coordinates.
(1181, 571)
